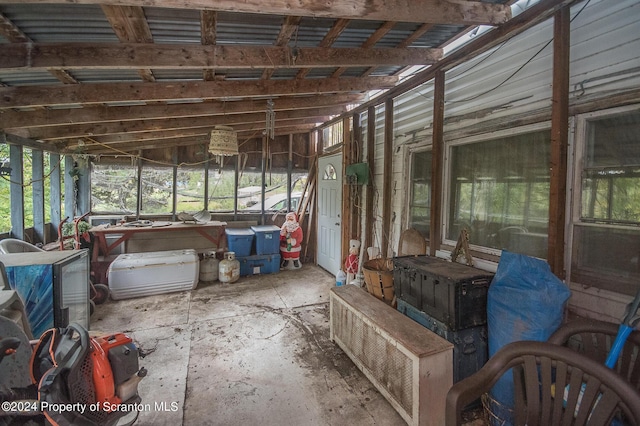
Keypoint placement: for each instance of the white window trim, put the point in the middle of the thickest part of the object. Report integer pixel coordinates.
(410, 151)
(574, 178)
(446, 190)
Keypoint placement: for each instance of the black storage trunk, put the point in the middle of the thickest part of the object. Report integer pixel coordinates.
(470, 346)
(452, 293)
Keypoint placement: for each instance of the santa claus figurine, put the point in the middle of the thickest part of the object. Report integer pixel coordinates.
(351, 263)
(290, 241)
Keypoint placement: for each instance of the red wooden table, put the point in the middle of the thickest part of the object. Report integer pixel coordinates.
(212, 231)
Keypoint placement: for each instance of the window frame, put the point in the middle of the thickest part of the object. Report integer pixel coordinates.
(411, 152)
(448, 172)
(603, 280)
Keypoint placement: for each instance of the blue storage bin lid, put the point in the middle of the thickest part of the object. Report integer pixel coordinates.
(265, 228)
(239, 232)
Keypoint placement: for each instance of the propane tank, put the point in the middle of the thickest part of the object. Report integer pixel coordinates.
(209, 267)
(229, 268)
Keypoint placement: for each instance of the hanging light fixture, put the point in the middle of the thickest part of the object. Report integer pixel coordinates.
(223, 141)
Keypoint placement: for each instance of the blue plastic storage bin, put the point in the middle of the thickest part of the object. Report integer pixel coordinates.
(239, 241)
(259, 264)
(470, 345)
(267, 239)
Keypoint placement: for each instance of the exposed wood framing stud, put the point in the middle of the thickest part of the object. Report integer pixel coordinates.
(387, 178)
(437, 161)
(559, 141)
(371, 141)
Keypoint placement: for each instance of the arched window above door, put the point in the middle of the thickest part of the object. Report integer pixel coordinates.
(329, 173)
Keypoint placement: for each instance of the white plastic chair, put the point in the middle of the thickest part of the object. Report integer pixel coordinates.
(13, 245)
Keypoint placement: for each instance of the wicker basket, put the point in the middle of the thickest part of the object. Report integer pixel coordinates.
(378, 277)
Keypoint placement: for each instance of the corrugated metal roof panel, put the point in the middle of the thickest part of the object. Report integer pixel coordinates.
(311, 31)
(251, 29)
(354, 72)
(177, 74)
(53, 23)
(27, 78)
(173, 25)
(105, 76)
(241, 74)
(284, 73)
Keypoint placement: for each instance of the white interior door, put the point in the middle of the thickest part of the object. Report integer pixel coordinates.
(329, 208)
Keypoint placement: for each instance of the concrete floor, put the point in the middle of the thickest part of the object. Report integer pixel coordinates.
(255, 352)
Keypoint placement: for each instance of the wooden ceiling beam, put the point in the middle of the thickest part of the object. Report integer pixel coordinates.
(32, 96)
(457, 12)
(70, 56)
(208, 35)
(11, 32)
(334, 32)
(289, 27)
(405, 43)
(95, 147)
(15, 35)
(131, 26)
(370, 42)
(29, 143)
(97, 129)
(101, 113)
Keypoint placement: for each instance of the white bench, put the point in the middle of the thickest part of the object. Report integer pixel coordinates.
(410, 365)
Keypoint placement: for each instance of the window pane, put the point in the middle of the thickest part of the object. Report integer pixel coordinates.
(114, 188)
(500, 193)
(606, 257)
(420, 206)
(250, 195)
(190, 189)
(606, 249)
(157, 190)
(611, 178)
(222, 190)
(329, 173)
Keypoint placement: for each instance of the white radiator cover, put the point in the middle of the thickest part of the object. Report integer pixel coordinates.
(411, 366)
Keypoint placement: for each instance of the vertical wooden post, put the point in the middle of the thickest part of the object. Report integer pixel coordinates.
(174, 185)
(559, 141)
(437, 161)
(289, 170)
(206, 178)
(70, 188)
(371, 142)
(347, 202)
(16, 191)
(356, 156)
(139, 197)
(387, 177)
(55, 190)
(236, 181)
(37, 177)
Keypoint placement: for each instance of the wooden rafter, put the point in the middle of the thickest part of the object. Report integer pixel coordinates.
(130, 26)
(370, 42)
(334, 32)
(11, 32)
(12, 97)
(15, 35)
(95, 147)
(11, 119)
(405, 43)
(458, 12)
(29, 56)
(289, 27)
(63, 76)
(78, 130)
(208, 24)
